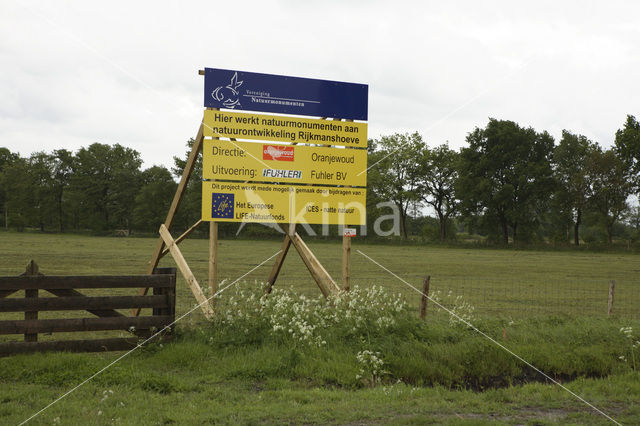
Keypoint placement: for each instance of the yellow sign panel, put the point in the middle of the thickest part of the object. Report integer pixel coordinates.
(250, 161)
(224, 124)
(251, 202)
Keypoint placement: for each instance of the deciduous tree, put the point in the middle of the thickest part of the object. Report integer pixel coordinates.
(570, 198)
(107, 180)
(154, 198)
(437, 181)
(6, 159)
(395, 170)
(505, 173)
(610, 187)
(627, 145)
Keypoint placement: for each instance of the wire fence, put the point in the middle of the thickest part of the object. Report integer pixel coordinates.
(531, 299)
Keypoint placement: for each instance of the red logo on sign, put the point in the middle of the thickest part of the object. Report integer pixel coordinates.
(277, 152)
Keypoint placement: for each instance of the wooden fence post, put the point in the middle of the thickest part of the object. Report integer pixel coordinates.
(612, 285)
(32, 270)
(169, 293)
(425, 296)
(346, 262)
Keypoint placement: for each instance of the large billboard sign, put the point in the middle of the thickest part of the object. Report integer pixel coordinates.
(250, 91)
(282, 168)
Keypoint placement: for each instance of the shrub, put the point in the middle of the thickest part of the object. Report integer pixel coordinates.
(369, 336)
(285, 316)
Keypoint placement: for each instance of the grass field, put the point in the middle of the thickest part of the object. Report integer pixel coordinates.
(436, 373)
(497, 282)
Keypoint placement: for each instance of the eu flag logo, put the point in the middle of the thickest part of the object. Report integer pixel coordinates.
(221, 205)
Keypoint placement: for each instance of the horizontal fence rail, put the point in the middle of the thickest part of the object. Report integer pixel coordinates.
(102, 307)
(82, 324)
(83, 303)
(75, 282)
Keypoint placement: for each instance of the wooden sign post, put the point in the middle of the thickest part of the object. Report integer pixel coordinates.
(213, 260)
(347, 234)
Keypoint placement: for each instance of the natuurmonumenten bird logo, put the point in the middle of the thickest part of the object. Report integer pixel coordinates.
(228, 94)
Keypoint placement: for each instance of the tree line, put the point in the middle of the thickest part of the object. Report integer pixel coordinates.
(513, 183)
(509, 183)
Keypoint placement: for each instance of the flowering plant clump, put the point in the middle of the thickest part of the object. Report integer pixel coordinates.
(461, 310)
(371, 364)
(635, 343)
(309, 321)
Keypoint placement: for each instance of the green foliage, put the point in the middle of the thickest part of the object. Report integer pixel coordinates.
(18, 180)
(199, 393)
(153, 199)
(301, 321)
(437, 181)
(191, 206)
(61, 172)
(6, 159)
(634, 345)
(431, 230)
(396, 174)
(108, 178)
(627, 145)
(410, 351)
(573, 182)
(610, 188)
(506, 174)
(374, 334)
(502, 187)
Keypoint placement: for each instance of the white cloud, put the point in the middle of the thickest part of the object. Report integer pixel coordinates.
(126, 72)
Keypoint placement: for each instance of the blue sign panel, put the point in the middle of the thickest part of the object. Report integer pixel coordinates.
(222, 205)
(251, 91)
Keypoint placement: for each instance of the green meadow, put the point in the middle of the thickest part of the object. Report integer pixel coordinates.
(549, 307)
(497, 282)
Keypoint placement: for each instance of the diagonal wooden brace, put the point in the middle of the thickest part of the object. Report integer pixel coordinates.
(322, 278)
(177, 198)
(186, 272)
(275, 271)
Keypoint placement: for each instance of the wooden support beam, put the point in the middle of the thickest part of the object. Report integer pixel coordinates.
(213, 261)
(275, 271)
(6, 293)
(69, 292)
(177, 198)
(182, 237)
(186, 272)
(327, 285)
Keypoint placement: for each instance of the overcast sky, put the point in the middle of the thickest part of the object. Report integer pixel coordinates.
(77, 72)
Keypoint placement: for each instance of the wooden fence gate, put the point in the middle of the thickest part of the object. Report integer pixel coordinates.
(103, 307)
